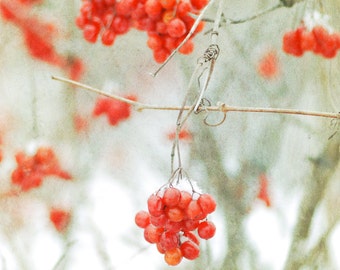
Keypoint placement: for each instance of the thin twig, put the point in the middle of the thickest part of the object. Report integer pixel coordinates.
(224, 108)
(181, 121)
(243, 20)
(142, 106)
(264, 12)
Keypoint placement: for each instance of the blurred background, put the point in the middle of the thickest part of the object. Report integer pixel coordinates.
(275, 177)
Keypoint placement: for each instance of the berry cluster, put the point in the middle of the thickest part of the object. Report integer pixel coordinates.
(31, 170)
(166, 22)
(39, 36)
(173, 217)
(115, 110)
(318, 40)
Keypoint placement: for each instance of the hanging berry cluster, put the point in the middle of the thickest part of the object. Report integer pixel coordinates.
(166, 22)
(31, 170)
(115, 110)
(173, 219)
(318, 40)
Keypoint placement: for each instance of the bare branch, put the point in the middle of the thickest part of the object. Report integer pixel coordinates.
(221, 108)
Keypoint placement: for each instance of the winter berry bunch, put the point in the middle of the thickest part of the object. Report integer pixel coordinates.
(166, 22)
(318, 41)
(39, 35)
(32, 169)
(315, 35)
(175, 221)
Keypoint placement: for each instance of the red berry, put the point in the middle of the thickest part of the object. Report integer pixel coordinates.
(190, 250)
(155, 42)
(174, 214)
(168, 4)
(183, 8)
(120, 25)
(176, 28)
(43, 155)
(268, 66)
(171, 43)
(190, 224)
(153, 8)
(329, 45)
(173, 226)
(87, 9)
(194, 210)
(126, 7)
(102, 105)
(160, 55)
(308, 41)
(199, 4)
(155, 205)
(185, 199)
(207, 203)
(81, 21)
(160, 248)
(171, 197)
(187, 48)
(321, 35)
(292, 42)
(206, 229)
(158, 221)
(169, 240)
(142, 219)
(107, 18)
(7, 13)
(108, 37)
(152, 234)
(60, 219)
(173, 257)
(91, 32)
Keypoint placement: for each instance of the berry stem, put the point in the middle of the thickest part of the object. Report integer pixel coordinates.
(220, 108)
(180, 122)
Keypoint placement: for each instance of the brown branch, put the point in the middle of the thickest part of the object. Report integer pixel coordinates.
(220, 108)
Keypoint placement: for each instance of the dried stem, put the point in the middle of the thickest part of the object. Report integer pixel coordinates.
(221, 108)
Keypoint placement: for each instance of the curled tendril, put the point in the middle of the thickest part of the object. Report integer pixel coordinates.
(205, 121)
(211, 53)
(203, 107)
